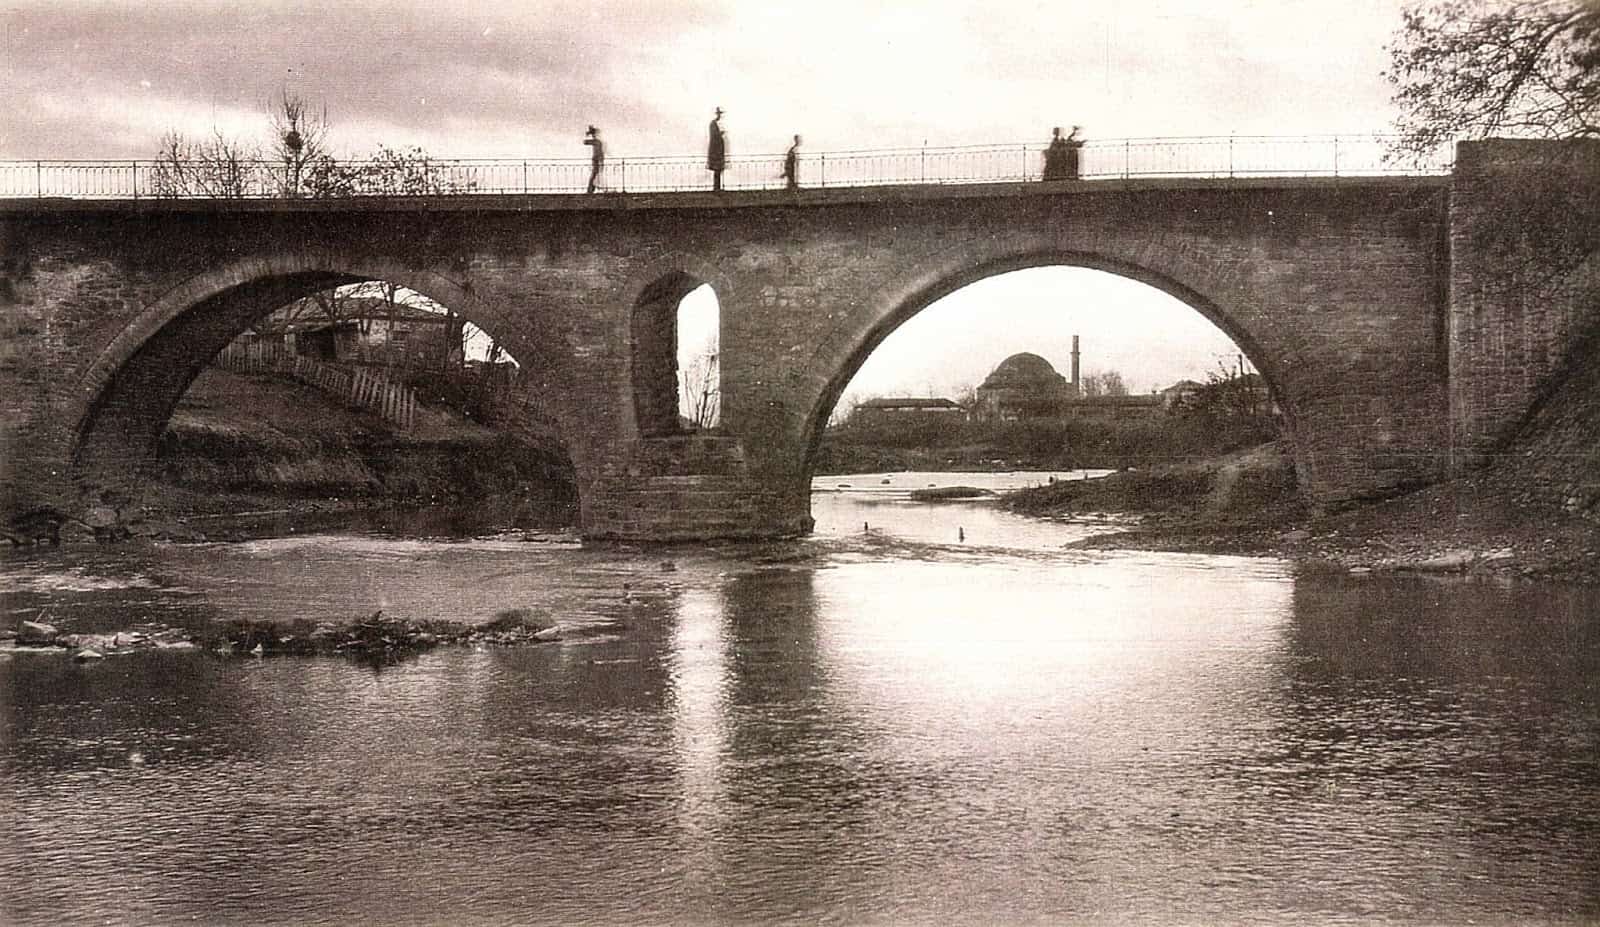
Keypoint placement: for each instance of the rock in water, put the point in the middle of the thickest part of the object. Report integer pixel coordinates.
(1453, 561)
(548, 634)
(88, 654)
(37, 632)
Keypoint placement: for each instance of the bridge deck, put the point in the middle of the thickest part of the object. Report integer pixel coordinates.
(705, 199)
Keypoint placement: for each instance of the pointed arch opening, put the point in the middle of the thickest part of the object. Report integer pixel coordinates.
(676, 344)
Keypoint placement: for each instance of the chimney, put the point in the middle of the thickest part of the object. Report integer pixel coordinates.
(1076, 387)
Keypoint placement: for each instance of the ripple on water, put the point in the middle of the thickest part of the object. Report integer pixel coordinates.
(890, 728)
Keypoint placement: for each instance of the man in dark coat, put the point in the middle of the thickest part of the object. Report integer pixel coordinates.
(791, 165)
(717, 152)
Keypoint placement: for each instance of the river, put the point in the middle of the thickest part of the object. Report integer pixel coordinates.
(924, 714)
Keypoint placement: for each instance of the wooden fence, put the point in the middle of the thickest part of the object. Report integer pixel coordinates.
(357, 386)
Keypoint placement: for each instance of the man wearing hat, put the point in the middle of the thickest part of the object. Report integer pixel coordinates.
(598, 158)
(717, 152)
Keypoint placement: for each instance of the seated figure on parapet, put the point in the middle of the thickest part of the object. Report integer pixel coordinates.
(1061, 157)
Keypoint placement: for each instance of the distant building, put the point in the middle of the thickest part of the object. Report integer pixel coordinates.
(1179, 393)
(906, 410)
(1026, 386)
(1119, 407)
(361, 330)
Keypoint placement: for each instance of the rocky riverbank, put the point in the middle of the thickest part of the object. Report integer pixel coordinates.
(1245, 504)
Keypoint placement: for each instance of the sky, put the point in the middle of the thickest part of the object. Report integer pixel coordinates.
(522, 79)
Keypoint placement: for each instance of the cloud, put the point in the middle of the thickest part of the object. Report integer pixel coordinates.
(502, 78)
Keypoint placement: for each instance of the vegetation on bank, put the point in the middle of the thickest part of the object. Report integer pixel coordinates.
(1189, 433)
(271, 439)
(1251, 486)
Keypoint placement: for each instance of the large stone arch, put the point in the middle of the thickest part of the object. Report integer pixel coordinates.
(1206, 289)
(127, 392)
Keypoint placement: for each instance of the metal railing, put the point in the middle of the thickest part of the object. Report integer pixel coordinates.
(1210, 156)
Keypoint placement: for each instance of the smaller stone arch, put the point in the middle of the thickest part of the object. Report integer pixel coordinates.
(654, 295)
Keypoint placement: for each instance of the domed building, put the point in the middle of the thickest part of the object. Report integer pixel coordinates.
(1025, 386)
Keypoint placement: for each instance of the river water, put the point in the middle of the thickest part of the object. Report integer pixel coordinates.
(925, 714)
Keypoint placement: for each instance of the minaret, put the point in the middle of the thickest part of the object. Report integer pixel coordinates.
(1077, 388)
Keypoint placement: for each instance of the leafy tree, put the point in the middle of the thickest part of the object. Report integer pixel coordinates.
(1483, 68)
(1233, 409)
(1475, 69)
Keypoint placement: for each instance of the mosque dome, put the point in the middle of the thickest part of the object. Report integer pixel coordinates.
(1025, 371)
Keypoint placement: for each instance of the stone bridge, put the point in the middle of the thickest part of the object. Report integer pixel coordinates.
(1363, 302)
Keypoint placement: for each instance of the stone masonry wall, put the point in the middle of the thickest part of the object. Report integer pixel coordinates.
(1524, 280)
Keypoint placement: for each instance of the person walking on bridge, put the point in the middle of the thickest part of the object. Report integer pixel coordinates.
(717, 151)
(791, 165)
(597, 159)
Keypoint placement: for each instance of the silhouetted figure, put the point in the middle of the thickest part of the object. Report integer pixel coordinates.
(791, 165)
(717, 151)
(961, 533)
(598, 159)
(1062, 156)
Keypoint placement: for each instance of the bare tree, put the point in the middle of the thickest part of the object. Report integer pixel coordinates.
(699, 385)
(217, 167)
(298, 161)
(300, 139)
(1104, 383)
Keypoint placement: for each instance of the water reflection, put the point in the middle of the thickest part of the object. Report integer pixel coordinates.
(846, 729)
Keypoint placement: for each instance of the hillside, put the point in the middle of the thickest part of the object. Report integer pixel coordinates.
(239, 439)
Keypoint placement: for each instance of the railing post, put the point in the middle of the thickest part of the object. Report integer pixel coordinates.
(38, 178)
(822, 180)
(134, 172)
(1230, 156)
(1336, 156)
(1127, 152)
(524, 177)
(924, 170)
(622, 181)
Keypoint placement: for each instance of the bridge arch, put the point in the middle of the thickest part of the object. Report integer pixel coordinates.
(1180, 276)
(127, 393)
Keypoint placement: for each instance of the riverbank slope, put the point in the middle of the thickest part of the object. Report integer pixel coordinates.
(1491, 522)
(240, 444)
